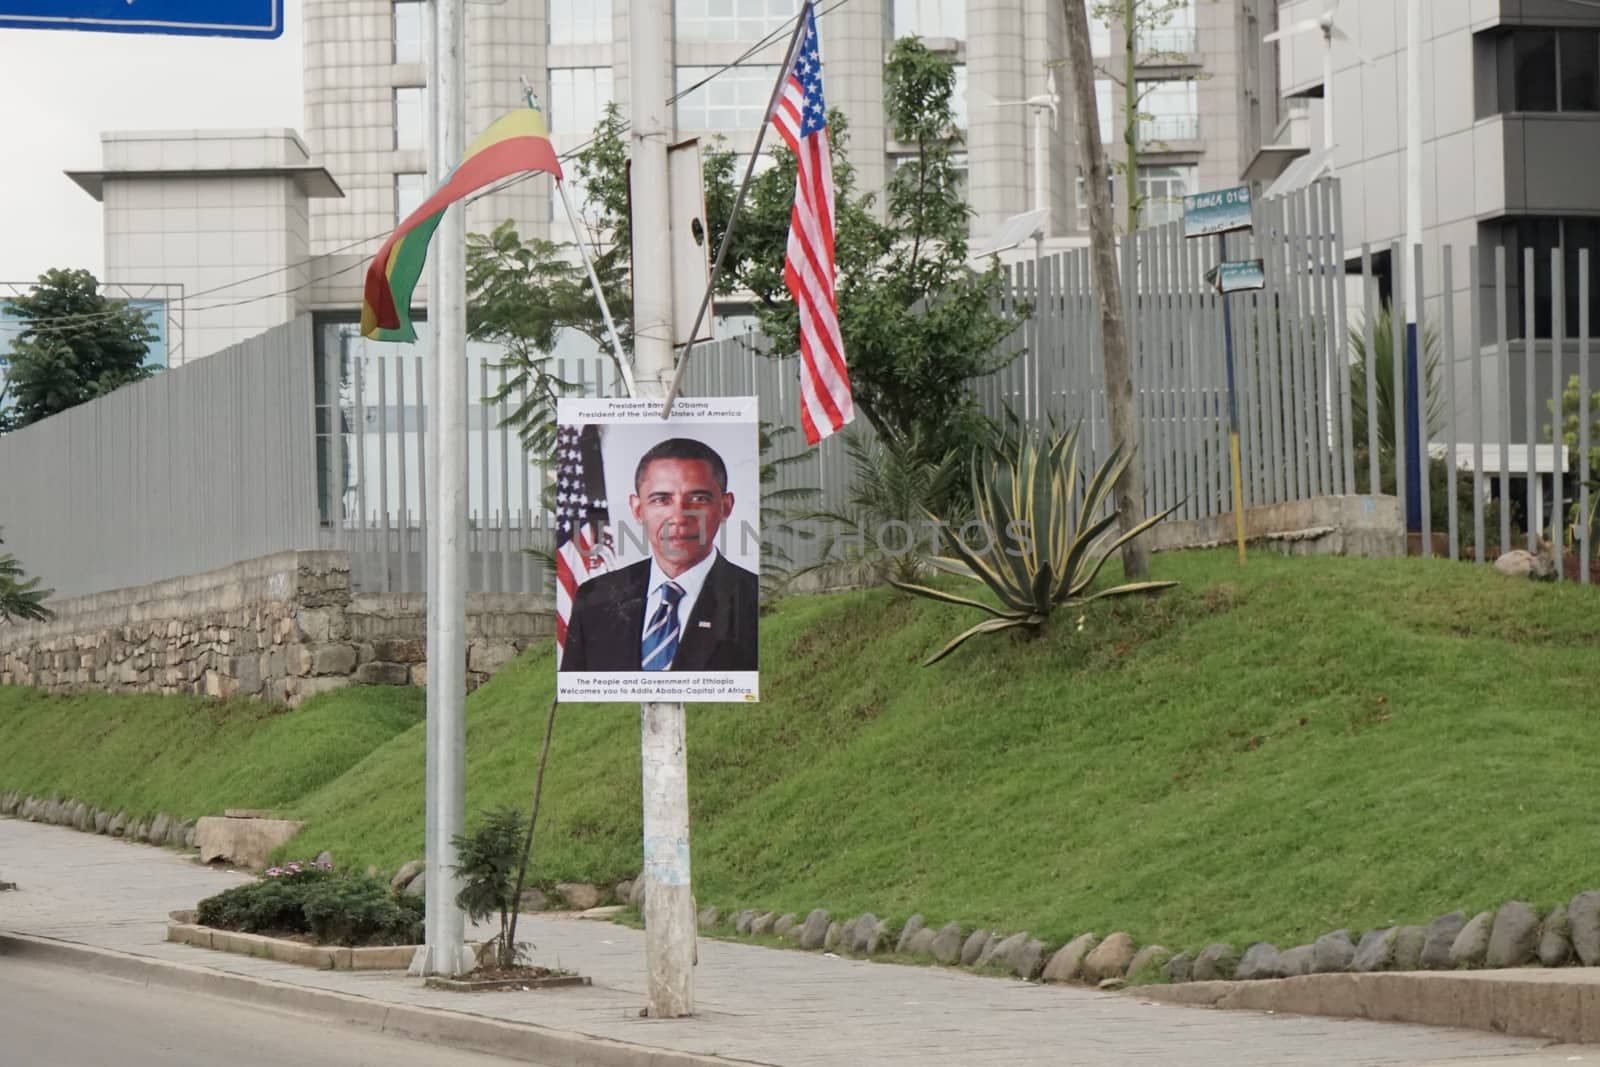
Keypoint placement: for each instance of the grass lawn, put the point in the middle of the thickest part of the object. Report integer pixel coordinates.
(190, 756)
(1266, 753)
(1276, 752)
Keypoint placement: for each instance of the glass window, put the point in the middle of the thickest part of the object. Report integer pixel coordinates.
(1175, 34)
(1532, 56)
(1544, 236)
(410, 118)
(1171, 110)
(1099, 35)
(1083, 200)
(730, 20)
(930, 18)
(1161, 192)
(580, 21)
(735, 99)
(1580, 70)
(409, 192)
(578, 98)
(958, 98)
(1106, 103)
(408, 34)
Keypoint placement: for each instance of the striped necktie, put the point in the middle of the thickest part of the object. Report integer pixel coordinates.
(661, 636)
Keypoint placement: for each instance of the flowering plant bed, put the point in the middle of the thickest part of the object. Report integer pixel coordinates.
(310, 902)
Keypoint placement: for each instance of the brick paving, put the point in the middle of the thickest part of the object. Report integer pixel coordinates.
(771, 1006)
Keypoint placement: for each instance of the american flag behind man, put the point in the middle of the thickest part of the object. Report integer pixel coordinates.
(582, 540)
(802, 119)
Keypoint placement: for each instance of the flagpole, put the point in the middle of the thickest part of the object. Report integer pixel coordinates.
(738, 202)
(588, 264)
(599, 293)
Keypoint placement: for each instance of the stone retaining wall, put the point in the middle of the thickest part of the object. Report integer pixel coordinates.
(282, 627)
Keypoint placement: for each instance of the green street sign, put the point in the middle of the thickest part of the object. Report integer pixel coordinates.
(1237, 276)
(1222, 211)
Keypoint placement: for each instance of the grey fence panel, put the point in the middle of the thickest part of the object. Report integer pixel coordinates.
(194, 469)
(1585, 526)
(1447, 278)
(1425, 406)
(1557, 343)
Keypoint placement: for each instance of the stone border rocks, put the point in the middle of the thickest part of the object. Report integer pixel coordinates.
(159, 829)
(1514, 935)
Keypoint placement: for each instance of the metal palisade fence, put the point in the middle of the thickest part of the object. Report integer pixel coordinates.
(194, 469)
(306, 438)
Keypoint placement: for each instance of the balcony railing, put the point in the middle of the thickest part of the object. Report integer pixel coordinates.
(1175, 40)
(1170, 128)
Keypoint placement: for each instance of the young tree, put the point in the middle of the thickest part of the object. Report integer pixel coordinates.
(1108, 287)
(1139, 19)
(74, 345)
(918, 323)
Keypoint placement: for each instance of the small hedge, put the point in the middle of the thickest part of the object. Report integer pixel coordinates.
(302, 898)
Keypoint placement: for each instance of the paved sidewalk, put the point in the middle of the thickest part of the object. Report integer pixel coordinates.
(756, 1004)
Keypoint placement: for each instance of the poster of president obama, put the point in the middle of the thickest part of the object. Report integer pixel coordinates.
(658, 550)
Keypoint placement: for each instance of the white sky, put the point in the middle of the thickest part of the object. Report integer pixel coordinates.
(62, 87)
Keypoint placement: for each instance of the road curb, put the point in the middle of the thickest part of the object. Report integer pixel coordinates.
(1531, 1003)
(461, 1030)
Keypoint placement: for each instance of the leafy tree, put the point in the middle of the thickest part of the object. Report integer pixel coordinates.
(20, 596)
(918, 323)
(74, 345)
(779, 509)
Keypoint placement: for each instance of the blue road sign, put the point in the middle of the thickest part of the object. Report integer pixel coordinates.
(202, 18)
(1220, 212)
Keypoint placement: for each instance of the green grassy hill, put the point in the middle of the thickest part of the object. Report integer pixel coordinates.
(1265, 753)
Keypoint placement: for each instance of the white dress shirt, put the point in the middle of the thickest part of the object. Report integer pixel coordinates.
(690, 581)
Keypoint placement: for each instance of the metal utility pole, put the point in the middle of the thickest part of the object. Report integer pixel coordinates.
(1118, 367)
(668, 903)
(447, 603)
(1413, 405)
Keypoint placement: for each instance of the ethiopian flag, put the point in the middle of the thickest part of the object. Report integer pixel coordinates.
(516, 142)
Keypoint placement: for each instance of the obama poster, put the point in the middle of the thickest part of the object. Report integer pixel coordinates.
(658, 550)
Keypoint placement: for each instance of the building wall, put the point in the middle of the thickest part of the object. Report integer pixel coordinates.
(1006, 45)
(1483, 166)
(221, 213)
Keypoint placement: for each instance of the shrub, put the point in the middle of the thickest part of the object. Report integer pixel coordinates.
(1042, 550)
(362, 911)
(301, 898)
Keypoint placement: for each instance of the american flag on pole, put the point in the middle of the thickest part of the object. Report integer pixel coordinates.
(802, 120)
(582, 539)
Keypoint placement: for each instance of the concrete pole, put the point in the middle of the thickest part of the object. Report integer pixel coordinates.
(668, 903)
(447, 673)
(1407, 270)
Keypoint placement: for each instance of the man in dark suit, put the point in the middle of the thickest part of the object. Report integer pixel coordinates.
(686, 608)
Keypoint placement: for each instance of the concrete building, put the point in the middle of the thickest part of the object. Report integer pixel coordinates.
(1511, 144)
(220, 217)
(366, 107)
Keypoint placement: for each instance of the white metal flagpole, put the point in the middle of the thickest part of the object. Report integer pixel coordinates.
(447, 950)
(599, 293)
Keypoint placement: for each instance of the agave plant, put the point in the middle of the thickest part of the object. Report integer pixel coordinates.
(1041, 550)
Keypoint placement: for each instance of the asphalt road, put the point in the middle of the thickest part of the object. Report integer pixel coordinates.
(59, 1017)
